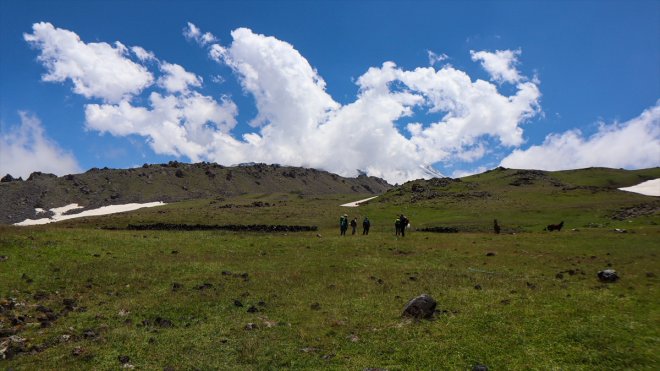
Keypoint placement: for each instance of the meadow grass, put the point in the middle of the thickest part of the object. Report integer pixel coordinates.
(328, 302)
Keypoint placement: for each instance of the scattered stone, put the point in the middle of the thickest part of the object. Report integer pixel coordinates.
(251, 326)
(252, 309)
(309, 350)
(203, 286)
(479, 368)
(226, 273)
(608, 275)
(353, 338)
(40, 295)
(315, 306)
(490, 254)
(422, 306)
(174, 252)
(162, 322)
(176, 286)
(477, 287)
(3, 258)
(123, 313)
(124, 359)
(69, 303)
(620, 230)
(559, 276)
(90, 334)
(237, 303)
(78, 351)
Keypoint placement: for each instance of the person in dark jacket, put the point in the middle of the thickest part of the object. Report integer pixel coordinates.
(366, 224)
(354, 225)
(403, 223)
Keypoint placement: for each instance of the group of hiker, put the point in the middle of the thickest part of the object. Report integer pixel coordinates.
(343, 225)
(401, 223)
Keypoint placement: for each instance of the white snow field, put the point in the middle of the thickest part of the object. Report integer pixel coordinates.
(104, 210)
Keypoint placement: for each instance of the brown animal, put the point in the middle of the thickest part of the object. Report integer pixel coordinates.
(496, 227)
(554, 227)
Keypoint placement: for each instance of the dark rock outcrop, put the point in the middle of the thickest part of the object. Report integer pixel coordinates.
(422, 306)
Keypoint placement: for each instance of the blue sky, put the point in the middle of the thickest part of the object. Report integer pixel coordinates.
(393, 88)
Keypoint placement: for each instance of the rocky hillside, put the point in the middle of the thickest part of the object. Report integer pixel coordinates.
(169, 182)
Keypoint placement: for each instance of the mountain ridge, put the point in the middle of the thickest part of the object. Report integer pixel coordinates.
(170, 182)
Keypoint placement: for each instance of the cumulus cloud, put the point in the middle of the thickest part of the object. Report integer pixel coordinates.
(633, 144)
(191, 125)
(299, 117)
(500, 65)
(26, 148)
(95, 69)
(177, 79)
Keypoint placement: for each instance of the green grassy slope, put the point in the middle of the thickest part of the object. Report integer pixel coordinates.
(322, 301)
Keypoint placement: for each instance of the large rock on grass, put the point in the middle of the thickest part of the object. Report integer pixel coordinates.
(422, 306)
(608, 275)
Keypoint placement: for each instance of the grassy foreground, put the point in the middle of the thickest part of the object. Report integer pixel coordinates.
(223, 300)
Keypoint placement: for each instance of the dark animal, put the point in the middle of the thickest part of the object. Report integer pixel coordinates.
(554, 227)
(496, 227)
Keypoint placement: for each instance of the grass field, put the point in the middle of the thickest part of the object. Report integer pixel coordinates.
(524, 299)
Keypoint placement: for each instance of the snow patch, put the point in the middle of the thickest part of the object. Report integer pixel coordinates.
(648, 188)
(104, 210)
(357, 203)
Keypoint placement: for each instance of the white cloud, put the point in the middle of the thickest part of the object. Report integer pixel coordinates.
(500, 65)
(191, 125)
(96, 69)
(176, 79)
(192, 32)
(26, 148)
(633, 144)
(436, 58)
(143, 54)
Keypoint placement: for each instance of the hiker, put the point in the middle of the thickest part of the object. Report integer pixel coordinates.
(403, 223)
(397, 226)
(365, 225)
(353, 225)
(343, 224)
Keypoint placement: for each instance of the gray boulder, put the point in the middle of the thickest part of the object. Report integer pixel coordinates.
(608, 275)
(422, 306)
